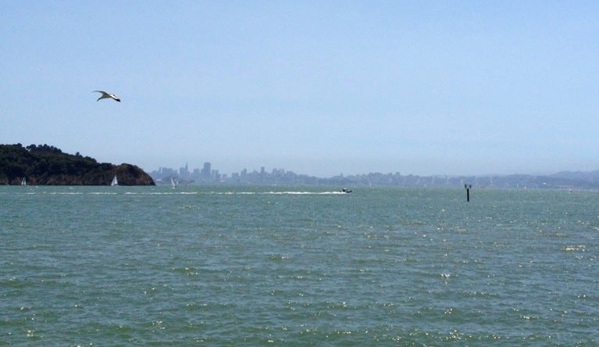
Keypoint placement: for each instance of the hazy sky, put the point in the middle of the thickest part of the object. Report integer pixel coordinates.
(315, 87)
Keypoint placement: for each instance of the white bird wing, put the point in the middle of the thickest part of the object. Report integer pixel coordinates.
(103, 96)
(106, 95)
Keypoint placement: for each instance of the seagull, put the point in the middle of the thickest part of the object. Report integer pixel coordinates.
(106, 96)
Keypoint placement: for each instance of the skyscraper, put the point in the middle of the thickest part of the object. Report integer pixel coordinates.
(206, 171)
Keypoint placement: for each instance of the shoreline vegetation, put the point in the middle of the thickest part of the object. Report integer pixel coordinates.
(48, 165)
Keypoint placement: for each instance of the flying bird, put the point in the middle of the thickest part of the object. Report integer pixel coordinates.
(106, 96)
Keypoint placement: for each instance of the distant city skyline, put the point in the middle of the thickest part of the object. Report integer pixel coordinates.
(208, 172)
(208, 176)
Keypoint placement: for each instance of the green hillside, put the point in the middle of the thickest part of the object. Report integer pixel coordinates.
(48, 165)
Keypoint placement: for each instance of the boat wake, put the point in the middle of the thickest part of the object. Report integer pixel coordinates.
(181, 192)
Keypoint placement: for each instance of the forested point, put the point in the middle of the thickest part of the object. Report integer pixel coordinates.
(48, 165)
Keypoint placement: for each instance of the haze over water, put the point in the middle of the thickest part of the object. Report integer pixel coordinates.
(268, 266)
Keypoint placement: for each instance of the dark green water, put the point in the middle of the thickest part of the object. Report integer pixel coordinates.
(256, 266)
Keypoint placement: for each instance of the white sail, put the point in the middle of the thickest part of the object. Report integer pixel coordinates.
(173, 183)
(23, 182)
(114, 182)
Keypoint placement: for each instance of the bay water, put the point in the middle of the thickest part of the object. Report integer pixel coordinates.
(289, 266)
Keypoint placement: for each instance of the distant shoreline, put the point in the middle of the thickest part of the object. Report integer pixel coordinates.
(561, 180)
(48, 165)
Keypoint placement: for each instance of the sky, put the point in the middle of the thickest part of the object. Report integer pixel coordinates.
(315, 87)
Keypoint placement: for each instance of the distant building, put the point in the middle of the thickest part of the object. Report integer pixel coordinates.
(184, 172)
(206, 170)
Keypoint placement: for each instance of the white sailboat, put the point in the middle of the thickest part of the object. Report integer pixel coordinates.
(23, 182)
(114, 182)
(174, 183)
